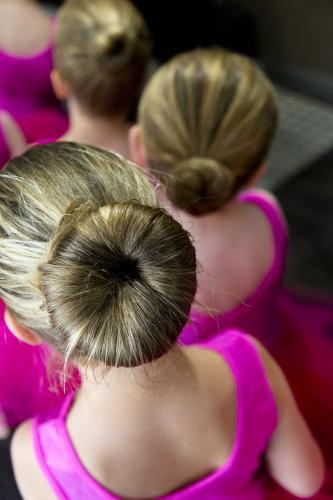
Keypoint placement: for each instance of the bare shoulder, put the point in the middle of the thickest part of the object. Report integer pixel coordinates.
(30, 480)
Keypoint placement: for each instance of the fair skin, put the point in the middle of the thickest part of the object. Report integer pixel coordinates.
(15, 17)
(171, 401)
(111, 134)
(220, 238)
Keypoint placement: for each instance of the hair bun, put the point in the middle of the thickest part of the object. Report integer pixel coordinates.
(114, 44)
(200, 184)
(114, 275)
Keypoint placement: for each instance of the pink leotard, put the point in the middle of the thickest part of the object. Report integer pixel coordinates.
(27, 94)
(240, 477)
(25, 83)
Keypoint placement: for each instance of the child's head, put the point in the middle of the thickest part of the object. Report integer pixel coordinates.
(102, 51)
(88, 261)
(206, 121)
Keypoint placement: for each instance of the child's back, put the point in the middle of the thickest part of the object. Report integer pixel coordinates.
(242, 252)
(199, 432)
(201, 436)
(236, 251)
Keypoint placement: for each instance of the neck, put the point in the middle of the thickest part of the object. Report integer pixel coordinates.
(99, 131)
(134, 386)
(186, 217)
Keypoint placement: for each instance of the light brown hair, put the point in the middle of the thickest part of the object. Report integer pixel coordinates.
(102, 50)
(88, 261)
(207, 118)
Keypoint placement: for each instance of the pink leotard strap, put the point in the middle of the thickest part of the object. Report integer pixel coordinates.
(272, 211)
(254, 423)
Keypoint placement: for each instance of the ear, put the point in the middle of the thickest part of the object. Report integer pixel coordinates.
(19, 331)
(60, 87)
(137, 150)
(257, 175)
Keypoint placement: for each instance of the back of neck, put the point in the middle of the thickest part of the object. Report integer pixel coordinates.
(111, 134)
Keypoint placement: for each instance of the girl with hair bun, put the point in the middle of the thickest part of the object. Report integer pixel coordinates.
(206, 120)
(92, 266)
(102, 50)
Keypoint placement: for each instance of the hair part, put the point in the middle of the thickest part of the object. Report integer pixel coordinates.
(102, 50)
(207, 119)
(88, 261)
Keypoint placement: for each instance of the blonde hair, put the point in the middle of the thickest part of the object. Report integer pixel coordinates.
(102, 51)
(88, 261)
(207, 118)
